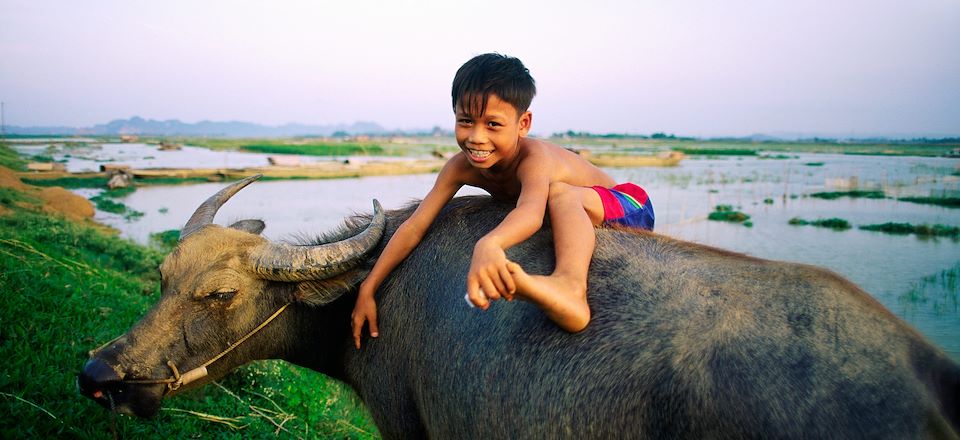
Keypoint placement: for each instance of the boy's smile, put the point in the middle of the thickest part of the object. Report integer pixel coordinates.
(492, 137)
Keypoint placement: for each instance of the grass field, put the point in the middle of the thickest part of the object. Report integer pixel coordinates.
(68, 287)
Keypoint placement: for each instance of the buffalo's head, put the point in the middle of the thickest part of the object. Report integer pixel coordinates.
(220, 287)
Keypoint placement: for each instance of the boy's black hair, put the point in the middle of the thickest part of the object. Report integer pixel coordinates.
(492, 73)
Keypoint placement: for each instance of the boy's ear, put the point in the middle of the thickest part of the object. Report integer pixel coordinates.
(526, 120)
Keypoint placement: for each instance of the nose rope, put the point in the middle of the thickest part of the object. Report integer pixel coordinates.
(174, 383)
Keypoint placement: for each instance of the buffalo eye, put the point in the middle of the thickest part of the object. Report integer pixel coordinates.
(222, 294)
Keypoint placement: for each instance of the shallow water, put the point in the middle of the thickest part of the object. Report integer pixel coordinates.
(910, 275)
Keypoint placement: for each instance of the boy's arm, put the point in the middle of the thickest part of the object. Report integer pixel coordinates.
(488, 268)
(404, 241)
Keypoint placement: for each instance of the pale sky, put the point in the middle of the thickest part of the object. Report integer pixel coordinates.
(690, 67)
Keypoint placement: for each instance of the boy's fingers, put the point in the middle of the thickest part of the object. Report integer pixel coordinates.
(511, 287)
(374, 331)
(489, 289)
(357, 326)
(473, 292)
(501, 288)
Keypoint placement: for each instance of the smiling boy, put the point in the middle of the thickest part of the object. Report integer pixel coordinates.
(491, 96)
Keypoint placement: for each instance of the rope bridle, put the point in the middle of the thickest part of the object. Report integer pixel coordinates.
(177, 380)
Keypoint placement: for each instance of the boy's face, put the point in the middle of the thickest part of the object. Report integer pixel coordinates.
(494, 136)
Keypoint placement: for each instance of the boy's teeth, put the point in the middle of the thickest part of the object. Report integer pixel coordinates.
(480, 153)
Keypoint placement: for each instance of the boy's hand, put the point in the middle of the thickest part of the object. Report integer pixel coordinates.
(489, 279)
(365, 310)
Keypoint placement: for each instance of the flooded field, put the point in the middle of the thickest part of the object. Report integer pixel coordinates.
(916, 277)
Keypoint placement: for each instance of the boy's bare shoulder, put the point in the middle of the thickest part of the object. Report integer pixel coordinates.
(564, 165)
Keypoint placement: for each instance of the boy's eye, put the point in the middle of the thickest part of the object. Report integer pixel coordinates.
(494, 124)
(464, 121)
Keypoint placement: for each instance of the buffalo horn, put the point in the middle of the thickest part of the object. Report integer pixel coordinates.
(285, 262)
(204, 214)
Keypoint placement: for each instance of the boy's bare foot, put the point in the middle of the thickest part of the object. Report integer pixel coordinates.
(563, 300)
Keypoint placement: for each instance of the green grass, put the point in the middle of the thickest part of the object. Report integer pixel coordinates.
(68, 288)
(949, 202)
(854, 194)
(165, 241)
(316, 149)
(837, 224)
(726, 213)
(69, 182)
(920, 230)
(10, 159)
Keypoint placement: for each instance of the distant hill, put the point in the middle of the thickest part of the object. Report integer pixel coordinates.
(173, 127)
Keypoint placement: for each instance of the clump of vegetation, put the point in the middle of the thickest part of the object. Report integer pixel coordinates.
(165, 241)
(937, 291)
(10, 159)
(777, 156)
(837, 224)
(316, 149)
(69, 287)
(106, 202)
(949, 202)
(768, 201)
(814, 164)
(726, 213)
(69, 182)
(854, 194)
(716, 151)
(921, 230)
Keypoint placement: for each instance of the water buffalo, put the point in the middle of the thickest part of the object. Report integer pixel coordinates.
(686, 341)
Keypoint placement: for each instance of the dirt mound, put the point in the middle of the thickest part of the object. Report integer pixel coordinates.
(9, 179)
(55, 200)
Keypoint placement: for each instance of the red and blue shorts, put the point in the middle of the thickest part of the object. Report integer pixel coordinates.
(626, 204)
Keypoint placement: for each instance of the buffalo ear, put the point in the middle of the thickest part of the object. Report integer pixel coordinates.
(321, 292)
(252, 226)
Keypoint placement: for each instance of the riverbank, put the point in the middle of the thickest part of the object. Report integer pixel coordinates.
(68, 286)
(322, 170)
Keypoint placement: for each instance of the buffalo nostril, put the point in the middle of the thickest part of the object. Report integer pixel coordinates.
(95, 376)
(99, 372)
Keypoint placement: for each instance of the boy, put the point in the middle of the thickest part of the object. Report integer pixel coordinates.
(491, 95)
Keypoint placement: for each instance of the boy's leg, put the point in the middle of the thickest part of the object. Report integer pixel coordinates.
(574, 211)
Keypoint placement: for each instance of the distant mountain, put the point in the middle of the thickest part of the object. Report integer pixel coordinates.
(173, 127)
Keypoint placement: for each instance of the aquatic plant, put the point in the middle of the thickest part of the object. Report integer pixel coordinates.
(814, 164)
(768, 201)
(920, 230)
(726, 213)
(716, 151)
(316, 149)
(855, 194)
(106, 202)
(939, 291)
(949, 202)
(834, 223)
